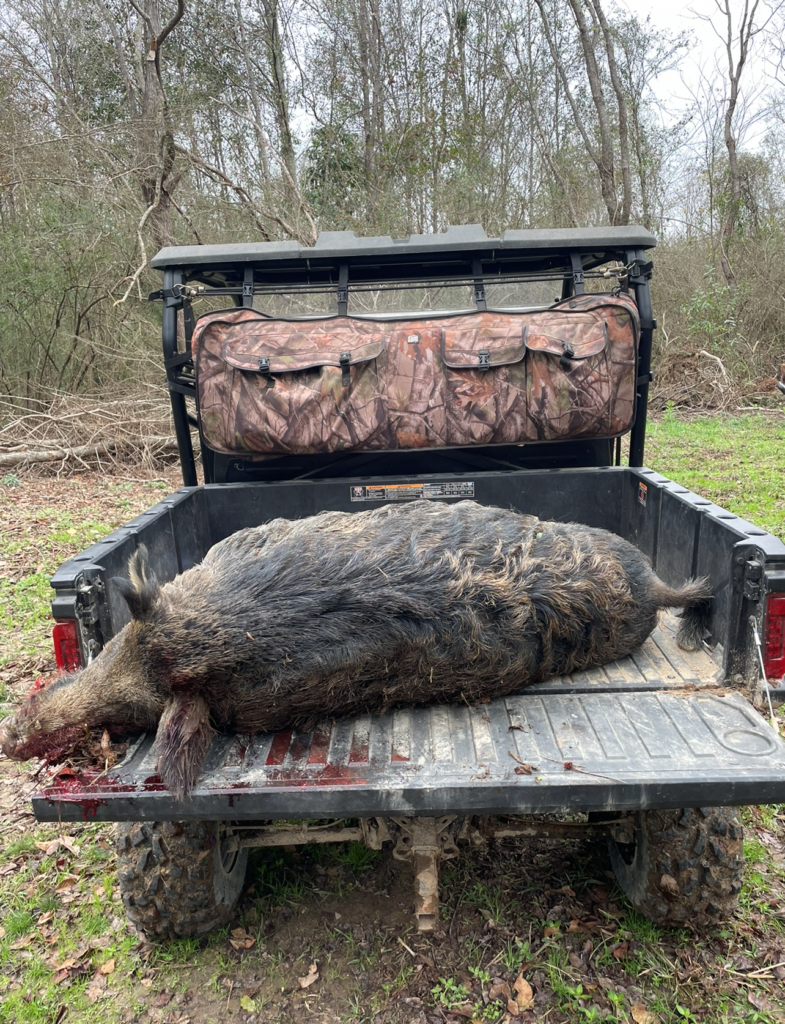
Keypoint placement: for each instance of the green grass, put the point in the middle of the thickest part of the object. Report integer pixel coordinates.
(735, 461)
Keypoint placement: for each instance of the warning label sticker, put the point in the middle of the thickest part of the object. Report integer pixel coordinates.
(408, 492)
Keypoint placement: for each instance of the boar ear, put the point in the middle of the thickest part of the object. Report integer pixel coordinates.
(141, 590)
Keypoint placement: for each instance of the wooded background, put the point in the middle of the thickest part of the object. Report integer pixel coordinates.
(126, 125)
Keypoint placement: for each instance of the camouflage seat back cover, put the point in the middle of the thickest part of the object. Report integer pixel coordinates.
(272, 386)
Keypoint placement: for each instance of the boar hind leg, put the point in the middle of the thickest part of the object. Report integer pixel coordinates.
(184, 734)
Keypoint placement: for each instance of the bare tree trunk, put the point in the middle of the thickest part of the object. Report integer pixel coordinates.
(605, 164)
(370, 47)
(254, 100)
(156, 141)
(736, 64)
(621, 104)
(278, 89)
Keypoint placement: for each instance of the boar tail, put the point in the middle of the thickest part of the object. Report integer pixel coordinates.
(695, 597)
(183, 737)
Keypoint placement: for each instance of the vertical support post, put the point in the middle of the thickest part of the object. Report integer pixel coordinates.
(640, 272)
(182, 429)
(343, 289)
(479, 287)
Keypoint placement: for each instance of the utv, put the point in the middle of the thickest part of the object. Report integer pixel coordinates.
(655, 752)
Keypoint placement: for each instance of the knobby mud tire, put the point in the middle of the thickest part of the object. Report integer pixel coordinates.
(684, 868)
(175, 879)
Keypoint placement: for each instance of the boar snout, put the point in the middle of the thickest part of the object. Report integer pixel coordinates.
(23, 736)
(10, 738)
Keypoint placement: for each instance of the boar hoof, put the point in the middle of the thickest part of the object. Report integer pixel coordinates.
(176, 880)
(683, 868)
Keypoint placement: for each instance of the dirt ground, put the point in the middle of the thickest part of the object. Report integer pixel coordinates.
(528, 931)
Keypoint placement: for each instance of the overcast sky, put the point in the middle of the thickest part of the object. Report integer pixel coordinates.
(674, 88)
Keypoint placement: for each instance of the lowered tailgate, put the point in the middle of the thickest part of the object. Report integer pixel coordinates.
(653, 730)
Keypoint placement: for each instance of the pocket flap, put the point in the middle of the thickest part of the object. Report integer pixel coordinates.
(278, 347)
(481, 348)
(576, 337)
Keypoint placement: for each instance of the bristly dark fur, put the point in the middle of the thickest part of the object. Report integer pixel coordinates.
(289, 623)
(183, 738)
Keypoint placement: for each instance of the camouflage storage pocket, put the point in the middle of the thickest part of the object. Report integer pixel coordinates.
(485, 377)
(580, 378)
(297, 388)
(276, 387)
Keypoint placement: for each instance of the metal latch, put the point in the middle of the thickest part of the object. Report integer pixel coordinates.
(566, 356)
(89, 593)
(345, 360)
(87, 600)
(264, 369)
(753, 580)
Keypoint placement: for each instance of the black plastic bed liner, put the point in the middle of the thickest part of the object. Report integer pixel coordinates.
(653, 730)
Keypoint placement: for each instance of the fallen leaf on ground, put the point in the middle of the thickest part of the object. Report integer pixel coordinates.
(22, 943)
(70, 970)
(53, 845)
(523, 993)
(247, 1004)
(760, 1002)
(512, 1008)
(549, 931)
(106, 968)
(643, 1016)
(65, 965)
(240, 939)
(45, 918)
(96, 987)
(147, 982)
(50, 847)
(621, 950)
(164, 998)
(310, 978)
(523, 769)
(502, 991)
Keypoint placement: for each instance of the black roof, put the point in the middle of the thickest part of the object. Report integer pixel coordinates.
(346, 244)
(452, 254)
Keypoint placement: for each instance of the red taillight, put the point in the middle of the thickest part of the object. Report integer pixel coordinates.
(66, 641)
(774, 637)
